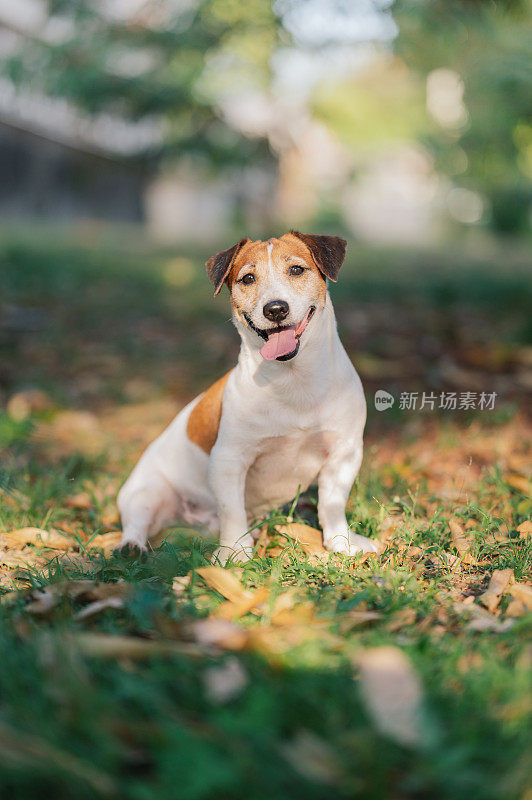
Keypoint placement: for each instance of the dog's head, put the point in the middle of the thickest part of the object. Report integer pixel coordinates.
(278, 286)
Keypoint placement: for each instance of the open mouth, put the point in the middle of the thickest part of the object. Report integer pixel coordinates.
(282, 342)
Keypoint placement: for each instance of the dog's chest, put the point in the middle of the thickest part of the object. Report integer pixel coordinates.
(284, 465)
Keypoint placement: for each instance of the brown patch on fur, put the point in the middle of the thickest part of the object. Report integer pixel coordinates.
(204, 420)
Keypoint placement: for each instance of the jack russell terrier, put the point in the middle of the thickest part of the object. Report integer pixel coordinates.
(290, 414)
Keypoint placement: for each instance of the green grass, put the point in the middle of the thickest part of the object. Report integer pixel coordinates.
(82, 321)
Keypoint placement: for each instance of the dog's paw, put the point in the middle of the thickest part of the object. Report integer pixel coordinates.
(350, 544)
(131, 550)
(240, 552)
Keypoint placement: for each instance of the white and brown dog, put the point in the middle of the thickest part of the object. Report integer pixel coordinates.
(290, 414)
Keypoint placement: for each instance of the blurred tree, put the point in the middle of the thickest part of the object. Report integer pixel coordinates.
(167, 61)
(481, 134)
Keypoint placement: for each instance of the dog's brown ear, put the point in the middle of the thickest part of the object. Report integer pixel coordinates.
(328, 252)
(219, 266)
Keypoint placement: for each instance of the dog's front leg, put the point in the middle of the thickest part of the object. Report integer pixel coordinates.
(227, 478)
(334, 484)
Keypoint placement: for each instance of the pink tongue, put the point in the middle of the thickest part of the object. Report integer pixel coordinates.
(279, 344)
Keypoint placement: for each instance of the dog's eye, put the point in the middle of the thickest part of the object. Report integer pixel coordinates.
(296, 270)
(247, 279)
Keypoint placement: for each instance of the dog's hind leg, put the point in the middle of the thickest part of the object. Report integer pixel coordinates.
(145, 510)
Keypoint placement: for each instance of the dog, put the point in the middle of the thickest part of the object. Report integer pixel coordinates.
(290, 414)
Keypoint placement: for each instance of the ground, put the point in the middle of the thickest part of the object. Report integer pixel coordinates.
(404, 675)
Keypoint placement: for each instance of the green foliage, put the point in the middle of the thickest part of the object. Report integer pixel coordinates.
(488, 45)
(162, 63)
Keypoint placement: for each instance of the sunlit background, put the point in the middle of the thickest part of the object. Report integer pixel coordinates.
(405, 122)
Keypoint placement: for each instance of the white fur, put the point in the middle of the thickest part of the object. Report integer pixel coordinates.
(284, 426)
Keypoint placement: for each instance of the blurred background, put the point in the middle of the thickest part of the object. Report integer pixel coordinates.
(137, 137)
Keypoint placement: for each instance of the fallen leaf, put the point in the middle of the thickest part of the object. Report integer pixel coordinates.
(521, 592)
(42, 601)
(180, 583)
(102, 645)
(392, 693)
(519, 483)
(402, 618)
(516, 608)
(106, 541)
(232, 610)
(525, 529)
(81, 500)
(218, 632)
(497, 585)
(310, 539)
(354, 618)
(463, 542)
(22, 404)
(481, 620)
(469, 661)
(36, 537)
(225, 682)
(224, 582)
(95, 608)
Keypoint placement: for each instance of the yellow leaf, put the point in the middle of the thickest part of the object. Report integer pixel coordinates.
(462, 541)
(37, 537)
(515, 608)
(523, 593)
(224, 582)
(80, 500)
(106, 541)
(525, 529)
(519, 483)
(497, 585)
(310, 539)
(233, 610)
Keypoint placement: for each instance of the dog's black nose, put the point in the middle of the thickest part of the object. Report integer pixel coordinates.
(276, 310)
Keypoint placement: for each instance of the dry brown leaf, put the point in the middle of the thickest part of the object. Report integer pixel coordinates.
(37, 537)
(392, 693)
(469, 661)
(180, 583)
(95, 608)
(225, 682)
(519, 483)
(224, 582)
(516, 608)
(102, 645)
(356, 617)
(402, 618)
(521, 592)
(16, 559)
(497, 586)
(233, 610)
(43, 601)
(481, 620)
(310, 539)
(525, 529)
(463, 542)
(299, 614)
(106, 541)
(218, 632)
(81, 500)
